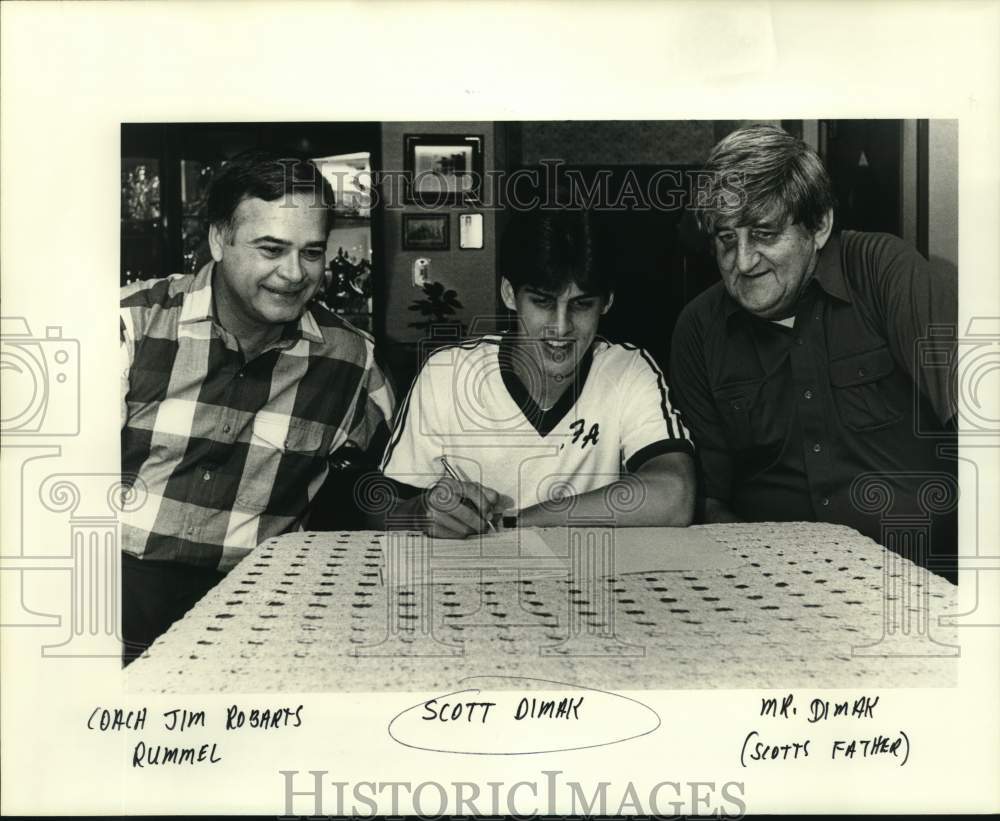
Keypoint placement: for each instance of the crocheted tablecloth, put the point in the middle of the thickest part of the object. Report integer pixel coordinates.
(790, 604)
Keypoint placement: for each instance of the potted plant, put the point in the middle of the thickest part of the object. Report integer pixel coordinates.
(438, 311)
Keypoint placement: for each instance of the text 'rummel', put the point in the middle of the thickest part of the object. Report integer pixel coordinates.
(116, 720)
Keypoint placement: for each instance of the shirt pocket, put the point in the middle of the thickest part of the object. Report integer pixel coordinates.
(858, 389)
(291, 452)
(740, 406)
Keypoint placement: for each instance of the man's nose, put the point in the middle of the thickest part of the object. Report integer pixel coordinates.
(291, 268)
(564, 321)
(746, 256)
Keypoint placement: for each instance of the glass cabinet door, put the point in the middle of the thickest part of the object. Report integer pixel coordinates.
(141, 219)
(348, 288)
(166, 174)
(195, 179)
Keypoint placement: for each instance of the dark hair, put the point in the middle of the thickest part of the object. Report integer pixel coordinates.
(760, 170)
(267, 176)
(550, 249)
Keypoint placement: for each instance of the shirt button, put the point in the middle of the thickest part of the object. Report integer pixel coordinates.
(227, 428)
(808, 394)
(861, 371)
(206, 475)
(817, 447)
(825, 502)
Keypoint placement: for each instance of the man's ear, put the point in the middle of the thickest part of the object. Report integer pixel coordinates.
(507, 294)
(216, 239)
(825, 228)
(608, 303)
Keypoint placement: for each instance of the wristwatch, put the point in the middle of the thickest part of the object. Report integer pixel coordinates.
(509, 521)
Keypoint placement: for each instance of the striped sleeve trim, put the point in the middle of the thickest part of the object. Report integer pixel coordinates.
(639, 458)
(404, 410)
(675, 427)
(397, 431)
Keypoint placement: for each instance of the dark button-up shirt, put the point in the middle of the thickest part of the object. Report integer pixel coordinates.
(843, 417)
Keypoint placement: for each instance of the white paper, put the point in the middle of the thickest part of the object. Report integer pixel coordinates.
(413, 558)
(530, 553)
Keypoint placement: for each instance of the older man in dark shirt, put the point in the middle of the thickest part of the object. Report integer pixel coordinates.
(800, 374)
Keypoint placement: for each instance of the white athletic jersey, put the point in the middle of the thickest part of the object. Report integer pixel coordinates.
(468, 406)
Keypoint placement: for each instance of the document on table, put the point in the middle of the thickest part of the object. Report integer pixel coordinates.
(643, 549)
(530, 553)
(511, 555)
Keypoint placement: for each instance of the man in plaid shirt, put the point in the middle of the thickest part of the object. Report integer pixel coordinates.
(237, 388)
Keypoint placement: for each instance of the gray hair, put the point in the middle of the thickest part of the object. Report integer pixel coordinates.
(760, 171)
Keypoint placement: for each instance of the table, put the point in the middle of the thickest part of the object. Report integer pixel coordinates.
(797, 604)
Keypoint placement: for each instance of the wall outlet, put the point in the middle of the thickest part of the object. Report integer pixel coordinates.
(421, 272)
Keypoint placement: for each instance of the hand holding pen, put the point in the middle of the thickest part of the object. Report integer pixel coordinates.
(457, 507)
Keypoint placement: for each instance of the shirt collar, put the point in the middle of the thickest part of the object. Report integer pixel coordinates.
(309, 327)
(198, 307)
(829, 272)
(544, 421)
(829, 275)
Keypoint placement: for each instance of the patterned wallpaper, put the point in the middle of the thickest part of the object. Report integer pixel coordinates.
(621, 142)
(582, 142)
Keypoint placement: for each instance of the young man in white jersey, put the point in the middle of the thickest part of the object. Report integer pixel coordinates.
(549, 424)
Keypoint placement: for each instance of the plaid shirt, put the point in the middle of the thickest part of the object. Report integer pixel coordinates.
(230, 452)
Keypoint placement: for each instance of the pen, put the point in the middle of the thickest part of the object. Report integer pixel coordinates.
(454, 474)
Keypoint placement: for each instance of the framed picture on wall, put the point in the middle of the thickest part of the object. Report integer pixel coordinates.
(425, 232)
(470, 231)
(442, 169)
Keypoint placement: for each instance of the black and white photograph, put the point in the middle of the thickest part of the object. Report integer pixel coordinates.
(701, 362)
(470, 231)
(541, 443)
(443, 168)
(426, 231)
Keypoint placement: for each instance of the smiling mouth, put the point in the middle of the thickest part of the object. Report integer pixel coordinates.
(558, 352)
(283, 294)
